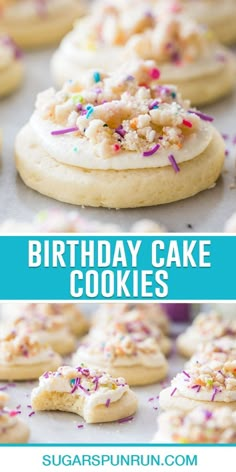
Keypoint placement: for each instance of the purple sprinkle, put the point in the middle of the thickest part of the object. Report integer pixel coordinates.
(174, 163)
(64, 131)
(108, 402)
(214, 394)
(202, 115)
(31, 414)
(185, 373)
(79, 426)
(151, 399)
(208, 414)
(120, 130)
(29, 406)
(125, 420)
(18, 407)
(173, 392)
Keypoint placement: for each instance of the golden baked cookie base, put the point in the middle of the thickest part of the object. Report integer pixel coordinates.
(111, 188)
(51, 401)
(28, 372)
(18, 434)
(11, 78)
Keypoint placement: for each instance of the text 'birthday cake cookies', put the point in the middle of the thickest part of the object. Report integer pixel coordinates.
(206, 327)
(120, 141)
(36, 23)
(24, 357)
(11, 65)
(12, 430)
(197, 426)
(90, 393)
(186, 53)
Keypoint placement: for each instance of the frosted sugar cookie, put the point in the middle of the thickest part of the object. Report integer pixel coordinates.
(11, 66)
(220, 350)
(187, 57)
(36, 23)
(121, 141)
(90, 393)
(97, 40)
(147, 312)
(206, 327)
(12, 430)
(48, 329)
(135, 323)
(135, 357)
(23, 357)
(186, 53)
(197, 426)
(68, 312)
(210, 384)
(219, 16)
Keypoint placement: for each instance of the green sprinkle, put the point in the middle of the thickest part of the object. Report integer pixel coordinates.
(77, 99)
(75, 149)
(105, 126)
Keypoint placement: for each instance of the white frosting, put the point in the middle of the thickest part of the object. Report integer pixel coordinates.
(61, 148)
(96, 358)
(20, 349)
(104, 392)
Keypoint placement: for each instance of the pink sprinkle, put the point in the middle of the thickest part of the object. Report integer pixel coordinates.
(108, 402)
(151, 399)
(32, 413)
(151, 151)
(14, 413)
(154, 73)
(125, 420)
(172, 393)
(64, 131)
(187, 123)
(174, 163)
(116, 147)
(18, 407)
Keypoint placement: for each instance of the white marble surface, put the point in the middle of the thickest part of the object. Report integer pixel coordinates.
(205, 212)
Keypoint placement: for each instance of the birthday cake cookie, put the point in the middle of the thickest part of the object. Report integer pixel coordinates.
(90, 393)
(36, 23)
(118, 141)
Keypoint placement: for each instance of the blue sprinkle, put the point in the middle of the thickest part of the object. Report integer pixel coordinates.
(90, 111)
(96, 77)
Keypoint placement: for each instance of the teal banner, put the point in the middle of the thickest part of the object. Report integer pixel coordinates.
(126, 267)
